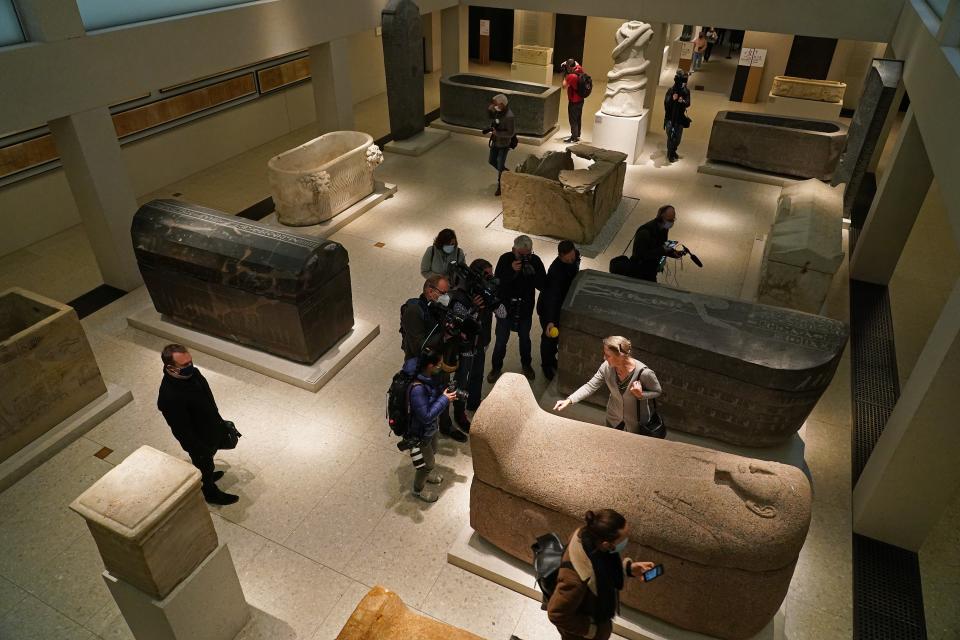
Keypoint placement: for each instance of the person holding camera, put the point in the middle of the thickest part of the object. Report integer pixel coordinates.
(187, 404)
(521, 275)
(571, 82)
(650, 244)
(438, 256)
(592, 573)
(429, 399)
(675, 120)
(502, 132)
(421, 328)
(474, 378)
(632, 385)
(560, 276)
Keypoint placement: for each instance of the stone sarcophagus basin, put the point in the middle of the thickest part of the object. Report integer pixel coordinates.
(532, 54)
(382, 615)
(265, 288)
(547, 196)
(800, 147)
(804, 248)
(464, 99)
(320, 178)
(47, 368)
(807, 89)
(744, 373)
(149, 520)
(727, 529)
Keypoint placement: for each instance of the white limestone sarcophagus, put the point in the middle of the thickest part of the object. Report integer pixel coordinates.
(807, 89)
(532, 54)
(47, 369)
(320, 178)
(149, 520)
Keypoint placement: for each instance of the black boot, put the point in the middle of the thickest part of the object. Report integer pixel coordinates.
(213, 495)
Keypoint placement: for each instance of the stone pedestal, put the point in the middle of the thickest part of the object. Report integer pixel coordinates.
(149, 521)
(207, 605)
(624, 134)
(525, 72)
(803, 107)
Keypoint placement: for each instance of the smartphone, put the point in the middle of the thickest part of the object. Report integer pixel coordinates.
(656, 572)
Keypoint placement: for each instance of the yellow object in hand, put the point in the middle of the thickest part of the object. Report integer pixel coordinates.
(553, 332)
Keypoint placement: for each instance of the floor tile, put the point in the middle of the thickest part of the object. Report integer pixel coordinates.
(33, 620)
(474, 603)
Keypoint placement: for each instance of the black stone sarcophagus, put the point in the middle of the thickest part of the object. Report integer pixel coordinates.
(265, 288)
(741, 372)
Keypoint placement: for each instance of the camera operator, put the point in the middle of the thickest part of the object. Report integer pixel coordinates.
(521, 274)
(438, 256)
(560, 276)
(502, 133)
(675, 120)
(474, 382)
(420, 324)
(650, 244)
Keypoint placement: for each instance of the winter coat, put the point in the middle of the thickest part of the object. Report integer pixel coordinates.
(503, 131)
(436, 262)
(418, 321)
(648, 248)
(427, 402)
(189, 408)
(517, 284)
(623, 407)
(557, 284)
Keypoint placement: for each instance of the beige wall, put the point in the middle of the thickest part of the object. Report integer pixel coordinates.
(778, 52)
(598, 43)
(533, 27)
(366, 65)
(851, 60)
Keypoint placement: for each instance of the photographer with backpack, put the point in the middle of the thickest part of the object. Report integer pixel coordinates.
(578, 85)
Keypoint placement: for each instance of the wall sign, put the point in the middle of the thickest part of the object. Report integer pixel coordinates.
(484, 27)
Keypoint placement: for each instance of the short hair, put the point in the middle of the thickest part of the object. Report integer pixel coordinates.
(429, 356)
(571, 63)
(662, 210)
(446, 236)
(502, 99)
(433, 282)
(522, 242)
(167, 353)
(565, 247)
(604, 525)
(618, 344)
(480, 265)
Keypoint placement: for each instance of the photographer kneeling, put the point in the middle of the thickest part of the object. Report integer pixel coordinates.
(429, 399)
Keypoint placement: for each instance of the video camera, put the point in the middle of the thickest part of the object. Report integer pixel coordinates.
(477, 284)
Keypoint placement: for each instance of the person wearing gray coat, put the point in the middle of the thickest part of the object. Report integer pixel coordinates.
(502, 130)
(438, 256)
(631, 384)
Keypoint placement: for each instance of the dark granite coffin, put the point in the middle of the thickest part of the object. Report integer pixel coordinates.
(743, 373)
(464, 99)
(269, 289)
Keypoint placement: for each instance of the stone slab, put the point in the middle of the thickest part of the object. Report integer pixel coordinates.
(418, 144)
(525, 72)
(470, 131)
(803, 108)
(208, 605)
(402, 38)
(381, 191)
(751, 283)
(727, 170)
(310, 377)
(472, 553)
(382, 615)
(624, 134)
(464, 98)
(57, 438)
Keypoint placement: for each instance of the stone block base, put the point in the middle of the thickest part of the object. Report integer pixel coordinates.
(539, 73)
(803, 108)
(619, 133)
(418, 144)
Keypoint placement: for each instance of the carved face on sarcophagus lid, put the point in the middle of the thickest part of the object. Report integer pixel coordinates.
(272, 290)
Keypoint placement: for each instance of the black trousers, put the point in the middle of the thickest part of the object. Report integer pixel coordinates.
(203, 460)
(575, 113)
(548, 347)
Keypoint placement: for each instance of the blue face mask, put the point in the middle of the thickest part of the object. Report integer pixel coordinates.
(620, 546)
(448, 248)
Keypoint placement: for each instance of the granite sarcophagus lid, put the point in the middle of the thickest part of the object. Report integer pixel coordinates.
(265, 288)
(736, 371)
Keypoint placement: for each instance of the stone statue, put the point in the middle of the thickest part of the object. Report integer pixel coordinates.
(381, 615)
(727, 529)
(403, 62)
(627, 81)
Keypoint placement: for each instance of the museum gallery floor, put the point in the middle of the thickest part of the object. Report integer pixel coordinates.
(325, 511)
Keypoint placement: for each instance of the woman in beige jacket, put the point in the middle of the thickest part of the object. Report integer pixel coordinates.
(631, 384)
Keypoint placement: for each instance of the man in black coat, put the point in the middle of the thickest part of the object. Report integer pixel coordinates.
(521, 274)
(560, 276)
(675, 120)
(187, 405)
(649, 244)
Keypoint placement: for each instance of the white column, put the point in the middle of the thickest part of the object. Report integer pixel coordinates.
(454, 22)
(98, 178)
(654, 54)
(913, 473)
(332, 89)
(899, 197)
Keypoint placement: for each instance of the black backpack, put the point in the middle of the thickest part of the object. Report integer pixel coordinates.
(398, 403)
(547, 559)
(403, 307)
(584, 85)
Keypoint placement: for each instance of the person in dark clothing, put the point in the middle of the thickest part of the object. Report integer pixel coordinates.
(420, 326)
(560, 276)
(592, 574)
(649, 244)
(429, 399)
(475, 383)
(712, 38)
(501, 130)
(521, 275)
(187, 404)
(571, 82)
(675, 120)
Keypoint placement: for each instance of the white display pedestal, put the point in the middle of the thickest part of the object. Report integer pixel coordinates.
(207, 605)
(539, 73)
(619, 133)
(803, 108)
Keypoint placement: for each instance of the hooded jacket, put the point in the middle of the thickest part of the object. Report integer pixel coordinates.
(427, 402)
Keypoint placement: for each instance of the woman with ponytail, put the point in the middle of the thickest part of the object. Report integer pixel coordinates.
(591, 575)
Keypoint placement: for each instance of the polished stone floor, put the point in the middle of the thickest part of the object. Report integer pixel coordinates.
(325, 511)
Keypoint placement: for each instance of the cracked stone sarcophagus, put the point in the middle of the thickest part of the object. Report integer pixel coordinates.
(727, 529)
(744, 373)
(272, 290)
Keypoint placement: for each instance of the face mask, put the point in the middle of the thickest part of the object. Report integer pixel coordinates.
(188, 370)
(667, 225)
(444, 300)
(448, 248)
(620, 546)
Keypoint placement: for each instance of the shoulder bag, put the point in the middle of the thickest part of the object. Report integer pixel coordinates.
(655, 426)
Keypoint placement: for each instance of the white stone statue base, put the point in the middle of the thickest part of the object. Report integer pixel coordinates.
(803, 108)
(620, 133)
(539, 73)
(207, 605)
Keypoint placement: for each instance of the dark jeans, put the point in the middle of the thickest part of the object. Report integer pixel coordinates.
(575, 114)
(203, 460)
(548, 348)
(709, 50)
(475, 384)
(674, 134)
(498, 160)
(504, 327)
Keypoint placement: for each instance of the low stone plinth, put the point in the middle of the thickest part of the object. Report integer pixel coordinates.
(464, 99)
(744, 373)
(727, 529)
(532, 54)
(149, 520)
(798, 147)
(47, 368)
(381, 615)
(804, 248)
(807, 89)
(261, 287)
(546, 196)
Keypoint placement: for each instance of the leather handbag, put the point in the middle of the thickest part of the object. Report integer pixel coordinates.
(655, 426)
(230, 436)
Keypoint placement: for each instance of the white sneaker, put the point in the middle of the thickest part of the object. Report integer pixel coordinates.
(426, 496)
